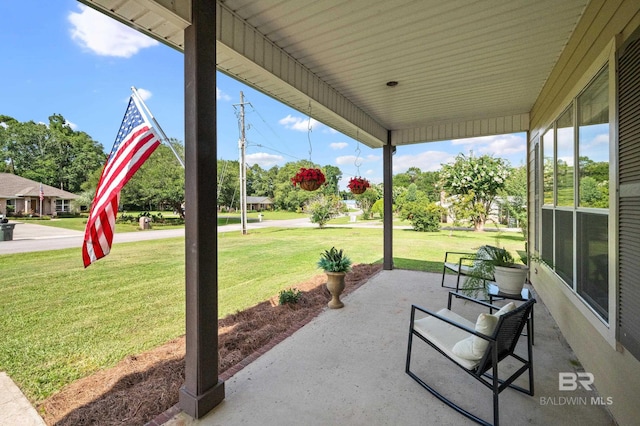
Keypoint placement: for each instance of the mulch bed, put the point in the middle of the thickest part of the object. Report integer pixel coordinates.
(142, 387)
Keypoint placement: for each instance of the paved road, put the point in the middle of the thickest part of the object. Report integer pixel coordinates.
(28, 237)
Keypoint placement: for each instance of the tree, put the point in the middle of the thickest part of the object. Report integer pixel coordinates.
(367, 199)
(425, 216)
(593, 193)
(323, 208)
(426, 182)
(261, 182)
(416, 207)
(378, 208)
(478, 180)
(158, 184)
(514, 196)
(287, 197)
(229, 184)
(55, 155)
(332, 175)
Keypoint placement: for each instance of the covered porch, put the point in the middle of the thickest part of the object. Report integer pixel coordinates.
(392, 73)
(347, 367)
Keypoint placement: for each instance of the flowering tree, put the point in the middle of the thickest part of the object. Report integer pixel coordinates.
(323, 208)
(476, 180)
(366, 200)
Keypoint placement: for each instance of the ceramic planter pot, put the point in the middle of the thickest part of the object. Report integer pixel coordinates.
(510, 279)
(335, 285)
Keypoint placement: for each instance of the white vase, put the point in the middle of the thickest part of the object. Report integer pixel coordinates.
(510, 279)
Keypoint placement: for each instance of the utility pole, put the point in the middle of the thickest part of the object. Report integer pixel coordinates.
(243, 169)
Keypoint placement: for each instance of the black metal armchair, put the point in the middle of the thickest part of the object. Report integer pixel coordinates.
(449, 333)
(462, 264)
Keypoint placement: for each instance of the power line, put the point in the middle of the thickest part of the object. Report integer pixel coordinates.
(274, 150)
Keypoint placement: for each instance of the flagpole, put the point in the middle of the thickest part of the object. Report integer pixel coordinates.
(41, 196)
(164, 136)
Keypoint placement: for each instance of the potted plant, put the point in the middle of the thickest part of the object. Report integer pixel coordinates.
(358, 185)
(336, 265)
(497, 263)
(308, 179)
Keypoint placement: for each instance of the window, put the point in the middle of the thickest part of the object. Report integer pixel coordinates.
(547, 167)
(575, 214)
(63, 206)
(593, 261)
(11, 206)
(564, 158)
(564, 245)
(593, 148)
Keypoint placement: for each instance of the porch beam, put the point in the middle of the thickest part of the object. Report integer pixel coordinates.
(478, 127)
(202, 390)
(387, 168)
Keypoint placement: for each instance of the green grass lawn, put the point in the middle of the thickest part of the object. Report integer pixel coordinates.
(60, 322)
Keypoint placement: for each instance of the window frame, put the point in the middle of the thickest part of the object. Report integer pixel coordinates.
(576, 208)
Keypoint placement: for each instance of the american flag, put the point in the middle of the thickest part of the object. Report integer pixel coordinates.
(135, 142)
(41, 193)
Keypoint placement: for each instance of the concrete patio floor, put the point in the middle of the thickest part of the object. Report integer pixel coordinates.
(346, 367)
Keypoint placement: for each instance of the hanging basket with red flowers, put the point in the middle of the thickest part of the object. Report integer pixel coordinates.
(358, 185)
(308, 179)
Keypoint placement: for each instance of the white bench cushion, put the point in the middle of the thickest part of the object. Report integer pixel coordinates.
(444, 336)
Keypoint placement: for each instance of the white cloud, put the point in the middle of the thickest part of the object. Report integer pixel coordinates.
(263, 159)
(568, 160)
(298, 123)
(73, 126)
(144, 93)
(221, 96)
(3, 124)
(601, 139)
(345, 159)
(351, 159)
(427, 161)
(338, 145)
(498, 146)
(105, 36)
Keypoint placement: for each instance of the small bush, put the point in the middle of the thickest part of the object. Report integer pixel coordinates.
(67, 214)
(289, 296)
(423, 217)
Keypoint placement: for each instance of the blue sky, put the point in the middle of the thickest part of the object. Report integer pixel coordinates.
(60, 57)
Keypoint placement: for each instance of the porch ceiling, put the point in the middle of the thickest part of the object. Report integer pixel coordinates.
(464, 68)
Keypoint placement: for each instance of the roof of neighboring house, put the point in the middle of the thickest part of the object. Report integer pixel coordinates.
(259, 200)
(12, 186)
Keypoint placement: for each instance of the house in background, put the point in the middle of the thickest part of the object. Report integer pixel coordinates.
(21, 196)
(259, 203)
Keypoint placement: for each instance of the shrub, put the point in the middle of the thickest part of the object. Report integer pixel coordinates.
(67, 214)
(424, 217)
(378, 207)
(289, 296)
(323, 208)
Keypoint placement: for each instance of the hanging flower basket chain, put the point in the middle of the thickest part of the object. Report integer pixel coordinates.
(308, 179)
(358, 185)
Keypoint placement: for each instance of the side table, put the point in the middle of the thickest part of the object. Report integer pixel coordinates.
(494, 293)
